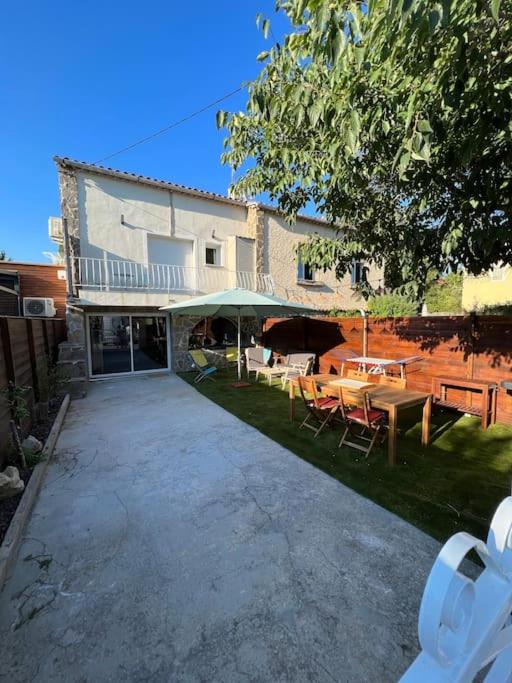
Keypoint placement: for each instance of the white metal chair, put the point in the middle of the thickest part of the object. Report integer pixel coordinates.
(464, 624)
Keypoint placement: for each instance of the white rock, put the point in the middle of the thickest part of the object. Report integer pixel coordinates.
(10, 482)
(32, 445)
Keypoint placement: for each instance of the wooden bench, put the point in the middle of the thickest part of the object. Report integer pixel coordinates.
(488, 392)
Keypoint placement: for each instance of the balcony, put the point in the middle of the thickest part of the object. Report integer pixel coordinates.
(109, 275)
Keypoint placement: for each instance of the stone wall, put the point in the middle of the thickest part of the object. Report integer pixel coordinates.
(181, 329)
(75, 322)
(68, 188)
(256, 224)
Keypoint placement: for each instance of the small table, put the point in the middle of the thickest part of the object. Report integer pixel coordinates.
(383, 397)
(351, 384)
(270, 373)
(488, 391)
(377, 364)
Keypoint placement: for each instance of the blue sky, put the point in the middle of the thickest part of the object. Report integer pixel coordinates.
(84, 79)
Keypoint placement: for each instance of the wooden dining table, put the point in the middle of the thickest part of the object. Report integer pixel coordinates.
(383, 397)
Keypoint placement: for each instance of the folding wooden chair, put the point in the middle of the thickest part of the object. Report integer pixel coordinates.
(359, 375)
(200, 363)
(393, 381)
(320, 410)
(369, 419)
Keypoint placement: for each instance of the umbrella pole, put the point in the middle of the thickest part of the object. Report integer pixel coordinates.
(239, 371)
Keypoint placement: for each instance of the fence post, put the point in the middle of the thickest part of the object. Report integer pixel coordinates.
(365, 333)
(45, 340)
(33, 362)
(6, 344)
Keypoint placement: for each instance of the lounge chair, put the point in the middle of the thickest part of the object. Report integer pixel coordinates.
(256, 357)
(231, 355)
(200, 363)
(295, 365)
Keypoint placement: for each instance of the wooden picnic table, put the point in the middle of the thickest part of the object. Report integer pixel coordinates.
(382, 397)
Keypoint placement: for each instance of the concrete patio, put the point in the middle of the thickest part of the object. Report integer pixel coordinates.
(172, 542)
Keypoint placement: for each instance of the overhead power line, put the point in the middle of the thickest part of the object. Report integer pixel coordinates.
(157, 133)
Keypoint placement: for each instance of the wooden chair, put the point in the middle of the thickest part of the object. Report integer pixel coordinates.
(366, 417)
(320, 410)
(359, 375)
(392, 381)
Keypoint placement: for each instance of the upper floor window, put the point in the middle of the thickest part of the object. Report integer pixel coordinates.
(305, 272)
(212, 255)
(356, 273)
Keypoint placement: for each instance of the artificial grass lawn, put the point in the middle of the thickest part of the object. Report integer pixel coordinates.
(453, 485)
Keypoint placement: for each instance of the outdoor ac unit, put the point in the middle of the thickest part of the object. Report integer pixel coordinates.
(55, 229)
(41, 307)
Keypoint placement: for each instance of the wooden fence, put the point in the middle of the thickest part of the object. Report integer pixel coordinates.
(472, 346)
(25, 346)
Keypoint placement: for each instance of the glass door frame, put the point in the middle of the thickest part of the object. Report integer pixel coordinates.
(128, 314)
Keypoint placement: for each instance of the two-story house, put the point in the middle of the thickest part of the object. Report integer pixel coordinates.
(135, 244)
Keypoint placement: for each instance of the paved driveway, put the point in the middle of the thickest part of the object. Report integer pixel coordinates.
(172, 542)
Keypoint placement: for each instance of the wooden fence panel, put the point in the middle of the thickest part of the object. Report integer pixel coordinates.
(25, 345)
(4, 408)
(493, 357)
(478, 347)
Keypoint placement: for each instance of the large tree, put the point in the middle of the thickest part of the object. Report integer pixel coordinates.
(393, 117)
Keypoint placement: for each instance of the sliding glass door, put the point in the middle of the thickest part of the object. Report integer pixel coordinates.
(121, 344)
(149, 343)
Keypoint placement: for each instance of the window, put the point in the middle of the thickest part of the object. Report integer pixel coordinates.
(356, 274)
(305, 272)
(212, 256)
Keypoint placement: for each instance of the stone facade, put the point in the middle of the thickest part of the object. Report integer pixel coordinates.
(75, 321)
(181, 329)
(256, 223)
(69, 208)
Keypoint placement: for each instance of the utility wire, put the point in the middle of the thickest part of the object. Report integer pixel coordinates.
(170, 126)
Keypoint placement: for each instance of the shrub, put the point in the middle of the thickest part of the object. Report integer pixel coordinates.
(351, 313)
(444, 295)
(391, 305)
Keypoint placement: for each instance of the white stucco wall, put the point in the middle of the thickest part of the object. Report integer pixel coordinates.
(150, 210)
(281, 239)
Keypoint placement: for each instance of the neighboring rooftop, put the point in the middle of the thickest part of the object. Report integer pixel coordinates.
(173, 187)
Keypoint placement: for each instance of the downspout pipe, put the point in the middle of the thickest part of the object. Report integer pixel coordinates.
(364, 316)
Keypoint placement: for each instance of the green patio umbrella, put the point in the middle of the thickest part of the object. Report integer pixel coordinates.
(239, 303)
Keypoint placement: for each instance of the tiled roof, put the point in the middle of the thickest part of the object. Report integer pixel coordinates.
(174, 187)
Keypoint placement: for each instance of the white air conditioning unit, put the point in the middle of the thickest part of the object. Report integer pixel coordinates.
(55, 229)
(38, 306)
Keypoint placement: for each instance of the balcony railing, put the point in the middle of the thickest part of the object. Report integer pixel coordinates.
(110, 274)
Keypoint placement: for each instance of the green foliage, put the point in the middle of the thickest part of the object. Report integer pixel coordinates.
(32, 459)
(51, 380)
(349, 313)
(3, 255)
(444, 295)
(391, 305)
(394, 119)
(17, 402)
(497, 309)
